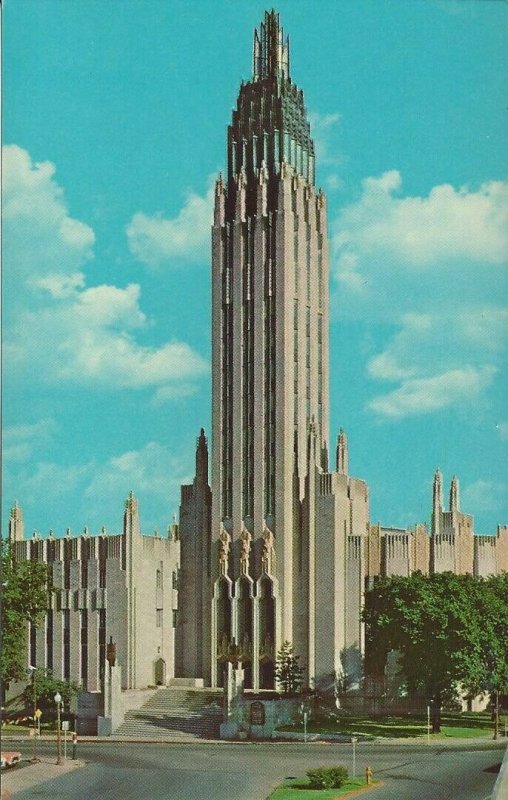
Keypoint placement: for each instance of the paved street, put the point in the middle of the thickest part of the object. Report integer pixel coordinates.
(249, 771)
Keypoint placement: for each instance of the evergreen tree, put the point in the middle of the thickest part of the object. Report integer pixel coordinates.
(288, 672)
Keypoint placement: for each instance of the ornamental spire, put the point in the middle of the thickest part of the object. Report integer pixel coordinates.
(454, 494)
(342, 454)
(271, 50)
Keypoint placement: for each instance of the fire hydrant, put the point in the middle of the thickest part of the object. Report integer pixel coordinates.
(368, 776)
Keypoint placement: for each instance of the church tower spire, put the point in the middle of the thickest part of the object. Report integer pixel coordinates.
(342, 454)
(270, 50)
(270, 362)
(202, 457)
(454, 494)
(16, 524)
(437, 502)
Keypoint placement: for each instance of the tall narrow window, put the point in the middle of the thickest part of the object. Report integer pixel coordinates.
(103, 555)
(66, 615)
(102, 640)
(67, 562)
(84, 648)
(49, 639)
(85, 555)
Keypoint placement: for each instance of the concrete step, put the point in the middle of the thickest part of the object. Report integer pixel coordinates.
(175, 712)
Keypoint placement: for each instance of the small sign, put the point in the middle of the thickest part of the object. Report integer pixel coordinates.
(38, 713)
(257, 713)
(66, 725)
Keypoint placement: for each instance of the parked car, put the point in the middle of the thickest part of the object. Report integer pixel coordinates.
(10, 759)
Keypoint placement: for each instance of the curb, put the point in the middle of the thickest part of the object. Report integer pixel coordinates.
(451, 744)
(501, 784)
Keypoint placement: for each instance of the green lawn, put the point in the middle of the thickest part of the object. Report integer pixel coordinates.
(463, 726)
(46, 727)
(298, 789)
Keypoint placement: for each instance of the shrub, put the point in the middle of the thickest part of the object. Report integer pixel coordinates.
(327, 777)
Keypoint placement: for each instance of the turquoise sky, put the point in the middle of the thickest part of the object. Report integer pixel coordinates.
(115, 115)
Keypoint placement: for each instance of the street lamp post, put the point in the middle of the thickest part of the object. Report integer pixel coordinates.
(305, 715)
(34, 692)
(353, 742)
(58, 700)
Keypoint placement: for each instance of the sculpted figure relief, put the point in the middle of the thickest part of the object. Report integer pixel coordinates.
(268, 554)
(245, 545)
(224, 545)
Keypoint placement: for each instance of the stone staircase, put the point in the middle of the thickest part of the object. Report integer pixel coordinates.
(175, 713)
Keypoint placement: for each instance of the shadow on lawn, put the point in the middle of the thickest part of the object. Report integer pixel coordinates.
(397, 726)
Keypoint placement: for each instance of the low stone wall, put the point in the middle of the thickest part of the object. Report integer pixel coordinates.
(258, 718)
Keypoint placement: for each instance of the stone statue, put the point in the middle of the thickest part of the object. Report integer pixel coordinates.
(224, 545)
(268, 553)
(245, 545)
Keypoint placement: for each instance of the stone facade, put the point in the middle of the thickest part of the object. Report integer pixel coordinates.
(281, 546)
(119, 586)
(289, 548)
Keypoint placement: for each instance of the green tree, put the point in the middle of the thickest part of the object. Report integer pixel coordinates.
(46, 686)
(450, 631)
(288, 672)
(24, 599)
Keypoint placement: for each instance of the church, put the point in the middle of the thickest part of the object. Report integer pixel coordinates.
(281, 548)
(277, 545)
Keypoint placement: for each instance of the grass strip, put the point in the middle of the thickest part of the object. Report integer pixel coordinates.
(298, 789)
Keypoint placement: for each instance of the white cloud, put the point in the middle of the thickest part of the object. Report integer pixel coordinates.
(88, 340)
(64, 330)
(153, 472)
(154, 239)
(59, 286)
(424, 395)
(432, 268)
(438, 360)
(323, 129)
(448, 224)
(20, 441)
(50, 482)
(483, 496)
(39, 235)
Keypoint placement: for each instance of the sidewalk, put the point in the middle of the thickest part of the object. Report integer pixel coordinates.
(501, 786)
(478, 743)
(28, 775)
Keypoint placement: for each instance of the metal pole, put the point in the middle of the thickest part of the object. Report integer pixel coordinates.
(65, 744)
(35, 709)
(496, 717)
(58, 737)
(74, 745)
(428, 724)
(353, 741)
(305, 726)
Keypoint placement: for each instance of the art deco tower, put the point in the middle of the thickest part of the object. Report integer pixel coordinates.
(269, 367)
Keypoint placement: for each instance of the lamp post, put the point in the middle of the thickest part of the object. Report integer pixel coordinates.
(33, 670)
(111, 659)
(58, 700)
(305, 714)
(354, 740)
